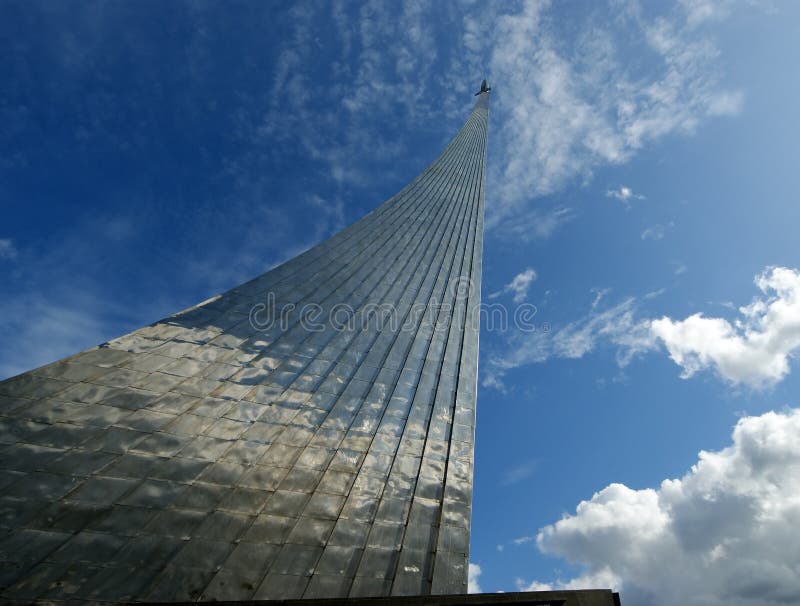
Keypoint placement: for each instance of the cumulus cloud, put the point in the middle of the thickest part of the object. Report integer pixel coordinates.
(601, 579)
(472, 578)
(518, 287)
(723, 534)
(756, 349)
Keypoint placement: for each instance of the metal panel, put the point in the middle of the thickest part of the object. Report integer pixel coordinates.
(205, 457)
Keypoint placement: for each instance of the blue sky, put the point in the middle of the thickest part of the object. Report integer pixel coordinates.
(642, 169)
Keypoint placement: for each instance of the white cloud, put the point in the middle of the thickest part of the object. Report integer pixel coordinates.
(559, 111)
(624, 194)
(756, 349)
(42, 331)
(599, 294)
(330, 215)
(518, 287)
(535, 224)
(653, 294)
(617, 325)
(7, 249)
(373, 80)
(655, 232)
(472, 579)
(518, 473)
(699, 11)
(723, 534)
(601, 579)
(517, 542)
(726, 103)
(566, 110)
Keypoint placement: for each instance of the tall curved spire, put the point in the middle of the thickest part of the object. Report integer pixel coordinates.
(306, 434)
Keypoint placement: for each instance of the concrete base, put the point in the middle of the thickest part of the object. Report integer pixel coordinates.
(581, 597)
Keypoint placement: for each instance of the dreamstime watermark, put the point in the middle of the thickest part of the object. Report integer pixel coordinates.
(406, 315)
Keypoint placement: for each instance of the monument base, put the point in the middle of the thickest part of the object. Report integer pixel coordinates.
(577, 597)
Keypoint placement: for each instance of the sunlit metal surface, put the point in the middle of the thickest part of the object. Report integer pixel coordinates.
(212, 455)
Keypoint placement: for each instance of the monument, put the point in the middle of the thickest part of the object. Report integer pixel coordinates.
(307, 434)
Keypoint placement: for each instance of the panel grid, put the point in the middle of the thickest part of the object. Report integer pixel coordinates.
(208, 457)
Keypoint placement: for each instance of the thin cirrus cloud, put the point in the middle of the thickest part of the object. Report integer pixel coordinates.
(518, 473)
(535, 224)
(618, 325)
(754, 350)
(562, 116)
(724, 533)
(656, 232)
(558, 113)
(42, 330)
(679, 268)
(8, 251)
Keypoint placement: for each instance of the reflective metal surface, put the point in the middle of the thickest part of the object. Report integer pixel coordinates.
(213, 456)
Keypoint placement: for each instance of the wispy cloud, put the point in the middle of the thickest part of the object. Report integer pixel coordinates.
(700, 11)
(624, 194)
(518, 473)
(518, 287)
(39, 331)
(656, 232)
(599, 295)
(7, 249)
(754, 350)
(564, 112)
(347, 133)
(618, 326)
(558, 112)
(535, 224)
(726, 103)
